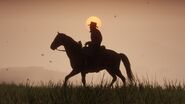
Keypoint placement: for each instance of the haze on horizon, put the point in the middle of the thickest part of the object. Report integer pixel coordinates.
(151, 33)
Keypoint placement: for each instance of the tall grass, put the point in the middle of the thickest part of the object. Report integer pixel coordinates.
(57, 93)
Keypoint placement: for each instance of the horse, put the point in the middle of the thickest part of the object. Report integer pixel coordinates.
(108, 60)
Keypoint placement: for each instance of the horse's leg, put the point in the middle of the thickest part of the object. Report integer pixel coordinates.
(111, 72)
(73, 72)
(83, 78)
(120, 75)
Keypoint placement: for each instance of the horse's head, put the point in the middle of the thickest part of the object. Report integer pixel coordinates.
(58, 41)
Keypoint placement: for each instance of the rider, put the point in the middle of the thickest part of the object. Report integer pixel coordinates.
(96, 38)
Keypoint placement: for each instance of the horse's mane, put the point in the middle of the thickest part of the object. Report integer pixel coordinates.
(70, 40)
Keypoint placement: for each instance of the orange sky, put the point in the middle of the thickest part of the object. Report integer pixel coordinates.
(151, 33)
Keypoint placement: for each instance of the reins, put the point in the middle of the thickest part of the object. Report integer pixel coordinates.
(61, 50)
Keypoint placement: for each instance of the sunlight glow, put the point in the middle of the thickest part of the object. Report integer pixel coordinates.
(93, 19)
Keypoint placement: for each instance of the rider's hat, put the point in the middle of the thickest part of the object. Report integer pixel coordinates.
(93, 24)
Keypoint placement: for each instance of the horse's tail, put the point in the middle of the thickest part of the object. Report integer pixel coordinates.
(126, 62)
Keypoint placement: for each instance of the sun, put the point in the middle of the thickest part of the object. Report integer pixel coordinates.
(93, 19)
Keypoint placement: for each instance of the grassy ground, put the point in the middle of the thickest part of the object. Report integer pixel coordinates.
(138, 93)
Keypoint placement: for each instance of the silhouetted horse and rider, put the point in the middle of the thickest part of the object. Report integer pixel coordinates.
(93, 57)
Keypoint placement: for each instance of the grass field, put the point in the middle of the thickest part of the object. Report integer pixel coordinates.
(56, 93)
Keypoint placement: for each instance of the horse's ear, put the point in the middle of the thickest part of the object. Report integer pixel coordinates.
(58, 33)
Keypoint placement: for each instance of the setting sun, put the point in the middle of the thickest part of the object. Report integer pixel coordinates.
(94, 19)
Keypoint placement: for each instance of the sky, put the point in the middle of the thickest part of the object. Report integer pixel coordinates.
(150, 32)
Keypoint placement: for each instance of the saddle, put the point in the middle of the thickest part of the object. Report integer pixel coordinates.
(91, 56)
(93, 52)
